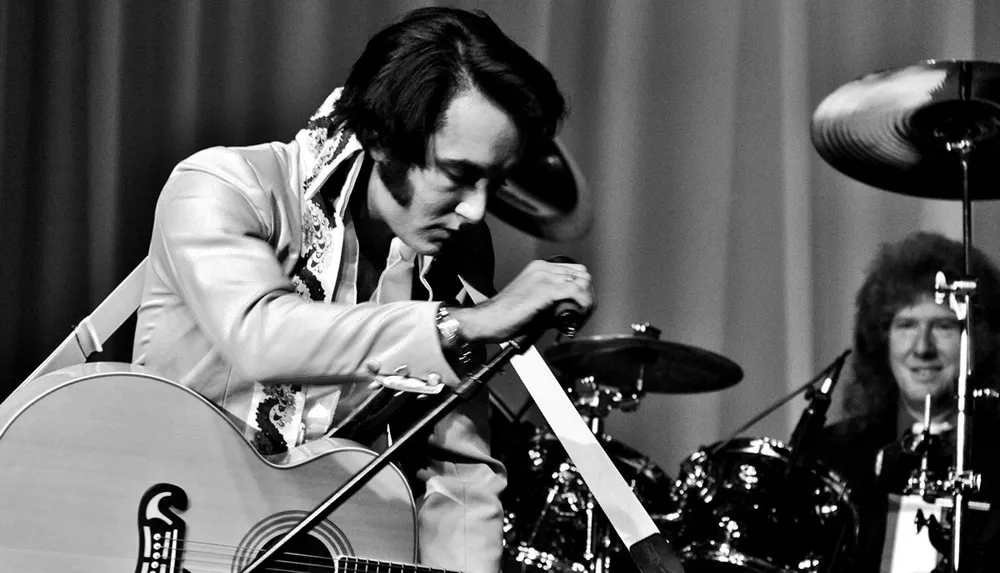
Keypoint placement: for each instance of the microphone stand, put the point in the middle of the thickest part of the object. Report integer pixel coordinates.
(781, 402)
(814, 416)
(469, 386)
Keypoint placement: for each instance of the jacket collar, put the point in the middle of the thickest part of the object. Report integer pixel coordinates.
(322, 151)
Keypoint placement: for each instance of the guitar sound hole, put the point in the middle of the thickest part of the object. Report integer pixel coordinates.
(306, 554)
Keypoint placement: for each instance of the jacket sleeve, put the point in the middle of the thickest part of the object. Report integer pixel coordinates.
(215, 229)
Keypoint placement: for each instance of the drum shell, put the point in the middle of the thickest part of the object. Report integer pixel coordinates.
(746, 505)
(547, 504)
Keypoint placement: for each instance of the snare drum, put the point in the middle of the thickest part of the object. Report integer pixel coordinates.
(741, 507)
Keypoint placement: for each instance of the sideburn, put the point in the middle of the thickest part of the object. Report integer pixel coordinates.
(393, 174)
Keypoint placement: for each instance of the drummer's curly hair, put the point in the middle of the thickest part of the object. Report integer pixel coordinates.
(900, 275)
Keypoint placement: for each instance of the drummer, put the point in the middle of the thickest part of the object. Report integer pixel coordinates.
(907, 348)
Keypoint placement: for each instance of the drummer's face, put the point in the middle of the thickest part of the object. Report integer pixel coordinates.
(924, 353)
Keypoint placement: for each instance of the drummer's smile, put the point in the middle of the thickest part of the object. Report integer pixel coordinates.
(925, 373)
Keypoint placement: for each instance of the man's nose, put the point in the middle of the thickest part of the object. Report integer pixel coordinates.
(473, 205)
(924, 344)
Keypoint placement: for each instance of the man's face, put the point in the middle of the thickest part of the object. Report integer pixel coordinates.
(467, 159)
(924, 354)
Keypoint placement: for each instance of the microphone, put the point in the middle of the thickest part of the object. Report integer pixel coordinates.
(814, 417)
(568, 315)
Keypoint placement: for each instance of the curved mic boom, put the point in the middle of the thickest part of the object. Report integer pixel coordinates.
(814, 417)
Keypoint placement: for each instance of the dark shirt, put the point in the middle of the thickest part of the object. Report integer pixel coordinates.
(851, 447)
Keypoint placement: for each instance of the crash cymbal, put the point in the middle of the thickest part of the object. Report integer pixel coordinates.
(545, 196)
(899, 129)
(644, 364)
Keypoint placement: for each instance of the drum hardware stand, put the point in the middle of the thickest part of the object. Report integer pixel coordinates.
(920, 482)
(956, 127)
(596, 549)
(594, 404)
(961, 481)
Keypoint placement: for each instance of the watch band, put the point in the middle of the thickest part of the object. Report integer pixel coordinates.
(449, 330)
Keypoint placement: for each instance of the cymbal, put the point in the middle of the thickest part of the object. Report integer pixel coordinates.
(644, 364)
(898, 129)
(545, 196)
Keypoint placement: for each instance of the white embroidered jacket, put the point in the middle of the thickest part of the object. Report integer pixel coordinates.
(220, 311)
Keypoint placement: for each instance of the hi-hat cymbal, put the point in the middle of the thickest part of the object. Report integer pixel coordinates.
(641, 363)
(898, 129)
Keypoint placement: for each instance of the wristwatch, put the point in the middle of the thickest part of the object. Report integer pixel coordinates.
(451, 339)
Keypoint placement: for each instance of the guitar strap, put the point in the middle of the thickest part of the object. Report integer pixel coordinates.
(627, 515)
(89, 336)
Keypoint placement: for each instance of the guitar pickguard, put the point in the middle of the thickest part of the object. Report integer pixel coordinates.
(161, 530)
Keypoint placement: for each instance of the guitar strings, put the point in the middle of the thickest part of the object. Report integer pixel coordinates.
(223, 561)
(222, 556)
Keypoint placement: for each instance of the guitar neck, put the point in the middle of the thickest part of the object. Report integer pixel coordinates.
(348, 564)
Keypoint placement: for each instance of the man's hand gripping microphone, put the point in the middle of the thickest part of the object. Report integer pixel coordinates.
(567, 314)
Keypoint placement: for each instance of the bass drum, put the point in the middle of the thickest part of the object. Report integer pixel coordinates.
(546, 503)
(741, 507)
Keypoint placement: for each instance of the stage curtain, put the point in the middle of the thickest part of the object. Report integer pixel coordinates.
(714, 218)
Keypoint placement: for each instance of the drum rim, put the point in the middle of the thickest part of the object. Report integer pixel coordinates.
(775, 448)
(529, 556)
(710, 550)
(778, 450)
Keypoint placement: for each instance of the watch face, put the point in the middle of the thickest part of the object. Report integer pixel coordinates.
(447, 328)
(449, 331)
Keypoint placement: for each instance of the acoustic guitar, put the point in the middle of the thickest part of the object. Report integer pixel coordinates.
(107, 468)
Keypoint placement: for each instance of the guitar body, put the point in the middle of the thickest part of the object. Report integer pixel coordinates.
(105, 468)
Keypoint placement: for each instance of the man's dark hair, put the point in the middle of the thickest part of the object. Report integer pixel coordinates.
(899, 276)
(396, 94)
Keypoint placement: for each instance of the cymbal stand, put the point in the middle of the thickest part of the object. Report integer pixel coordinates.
(920, 481)
(961, 480)
(596, 551)
(595, 402)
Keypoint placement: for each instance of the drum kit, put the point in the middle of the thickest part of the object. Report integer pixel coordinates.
(755, 504)
(743, 504)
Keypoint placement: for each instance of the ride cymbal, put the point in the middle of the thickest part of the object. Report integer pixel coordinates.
(643, 364)
(900, 129)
